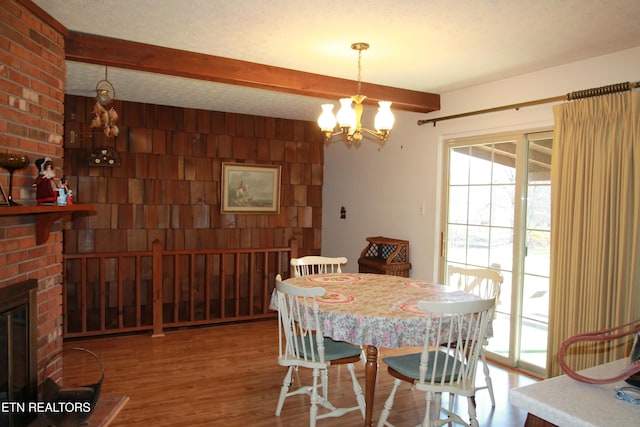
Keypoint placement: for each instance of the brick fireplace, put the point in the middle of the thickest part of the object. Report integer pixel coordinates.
(32, 78)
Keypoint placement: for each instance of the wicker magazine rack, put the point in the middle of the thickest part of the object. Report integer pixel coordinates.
(384, 255)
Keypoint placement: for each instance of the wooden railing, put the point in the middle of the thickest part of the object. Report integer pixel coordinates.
(111, 293)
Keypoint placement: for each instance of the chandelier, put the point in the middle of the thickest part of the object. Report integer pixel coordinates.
(349, 118)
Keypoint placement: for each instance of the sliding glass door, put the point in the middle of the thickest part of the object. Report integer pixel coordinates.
(497, 217)
(534, 312)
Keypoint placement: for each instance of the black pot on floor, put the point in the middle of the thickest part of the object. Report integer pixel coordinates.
(70, 406)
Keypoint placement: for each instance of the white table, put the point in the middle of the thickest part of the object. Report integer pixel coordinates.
(566, 402)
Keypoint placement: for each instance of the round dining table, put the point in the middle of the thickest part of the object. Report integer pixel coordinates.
(375, 310)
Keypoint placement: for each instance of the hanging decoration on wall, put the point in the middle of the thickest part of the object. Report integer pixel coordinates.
(104, 156)
(106, 116)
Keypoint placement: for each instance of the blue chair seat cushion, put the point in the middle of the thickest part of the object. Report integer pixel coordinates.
(409, 365)
(333, 350)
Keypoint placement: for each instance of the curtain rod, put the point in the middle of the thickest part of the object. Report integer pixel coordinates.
(586, 93)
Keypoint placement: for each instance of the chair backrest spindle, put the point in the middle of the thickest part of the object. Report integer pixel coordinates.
(463, 323)
(317, 265)
(300, 331)
(483, 282)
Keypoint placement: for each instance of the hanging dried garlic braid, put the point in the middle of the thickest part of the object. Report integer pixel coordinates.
(105, 119)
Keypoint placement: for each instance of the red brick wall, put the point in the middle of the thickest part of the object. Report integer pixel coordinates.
(32, 75)
(167, 185)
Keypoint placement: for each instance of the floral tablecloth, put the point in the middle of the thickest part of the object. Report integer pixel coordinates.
(375, 309)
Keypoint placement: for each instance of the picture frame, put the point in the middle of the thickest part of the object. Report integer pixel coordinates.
(4, 199)
(250, 189)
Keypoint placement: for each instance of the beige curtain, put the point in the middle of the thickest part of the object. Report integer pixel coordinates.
(595, 217)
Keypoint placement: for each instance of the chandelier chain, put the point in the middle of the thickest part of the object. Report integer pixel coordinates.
(359, 70)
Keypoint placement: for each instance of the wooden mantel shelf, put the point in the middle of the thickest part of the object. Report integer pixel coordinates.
(46, 215)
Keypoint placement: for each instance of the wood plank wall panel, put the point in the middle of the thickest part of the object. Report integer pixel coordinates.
(168, 183)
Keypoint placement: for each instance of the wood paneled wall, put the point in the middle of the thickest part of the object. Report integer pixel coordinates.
(167, 186)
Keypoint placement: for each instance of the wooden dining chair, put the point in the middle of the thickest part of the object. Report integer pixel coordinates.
(317, 265)
(485, 283)
(321, 265)
(303, 345)
(442, 367)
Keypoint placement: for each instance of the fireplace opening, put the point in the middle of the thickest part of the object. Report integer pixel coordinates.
(18, 375)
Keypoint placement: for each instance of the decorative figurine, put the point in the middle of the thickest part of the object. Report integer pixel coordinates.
(69, 191)
(65, 195)
(46, 189)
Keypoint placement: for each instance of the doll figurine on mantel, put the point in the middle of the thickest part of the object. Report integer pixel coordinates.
(65, 195)
(46, 189)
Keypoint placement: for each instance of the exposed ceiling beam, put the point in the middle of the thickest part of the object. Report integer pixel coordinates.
(82, 47)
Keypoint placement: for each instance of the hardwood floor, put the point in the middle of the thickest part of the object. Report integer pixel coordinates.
(228, 375)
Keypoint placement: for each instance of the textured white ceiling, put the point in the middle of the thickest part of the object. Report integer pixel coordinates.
(424, 45)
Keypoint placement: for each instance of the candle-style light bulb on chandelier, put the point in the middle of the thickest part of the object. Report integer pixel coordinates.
(349, 118)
